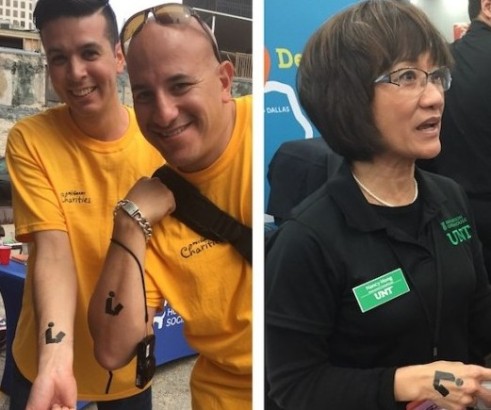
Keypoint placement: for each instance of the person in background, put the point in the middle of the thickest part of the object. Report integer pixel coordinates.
(182, 97)
(466, 123)
(376, 291)
(68, 166)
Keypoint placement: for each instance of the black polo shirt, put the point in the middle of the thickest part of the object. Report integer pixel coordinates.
(321, 349)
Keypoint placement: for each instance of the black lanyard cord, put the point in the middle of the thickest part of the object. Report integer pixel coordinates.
(115, 241)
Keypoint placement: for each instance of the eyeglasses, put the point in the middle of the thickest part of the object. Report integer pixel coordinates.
(414, 80)
(166, 14)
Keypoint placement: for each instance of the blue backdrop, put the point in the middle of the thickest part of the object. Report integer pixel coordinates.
(287, 26)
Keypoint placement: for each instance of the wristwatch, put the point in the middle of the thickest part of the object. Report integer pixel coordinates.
(134, 212)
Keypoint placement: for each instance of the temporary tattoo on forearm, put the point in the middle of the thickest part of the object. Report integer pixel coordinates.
(110, 310)
(49, 335)
(445, 376)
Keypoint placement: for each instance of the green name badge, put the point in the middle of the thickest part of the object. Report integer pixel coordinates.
(383, 289)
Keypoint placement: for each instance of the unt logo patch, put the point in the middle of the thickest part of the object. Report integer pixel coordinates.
(457, 230)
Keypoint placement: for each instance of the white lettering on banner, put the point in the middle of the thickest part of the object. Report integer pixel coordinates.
(278, 110)
(172, 321)
(172, 317)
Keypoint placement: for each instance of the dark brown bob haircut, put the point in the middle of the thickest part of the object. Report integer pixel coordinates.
(342, 59)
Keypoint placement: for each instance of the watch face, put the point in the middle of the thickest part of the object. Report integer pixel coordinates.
(130, 208)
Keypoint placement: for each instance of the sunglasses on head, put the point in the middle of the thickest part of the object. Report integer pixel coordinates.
(166, 14)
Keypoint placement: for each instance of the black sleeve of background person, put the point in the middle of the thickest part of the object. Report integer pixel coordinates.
(297, 169)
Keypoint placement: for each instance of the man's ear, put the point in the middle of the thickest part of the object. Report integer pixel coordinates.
(119, 57)
(226, 74)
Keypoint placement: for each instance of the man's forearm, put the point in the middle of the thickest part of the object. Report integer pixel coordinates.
(55, 296)
(117, 308)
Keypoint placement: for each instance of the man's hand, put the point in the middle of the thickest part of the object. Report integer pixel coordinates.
(55, 391)
(153, 198)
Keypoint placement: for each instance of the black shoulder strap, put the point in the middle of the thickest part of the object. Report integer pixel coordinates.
(203, 216)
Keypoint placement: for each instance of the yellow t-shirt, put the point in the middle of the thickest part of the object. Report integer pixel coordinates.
(65, 180)
(210, 284)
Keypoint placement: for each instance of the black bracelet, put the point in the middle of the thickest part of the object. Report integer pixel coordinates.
(115, 241)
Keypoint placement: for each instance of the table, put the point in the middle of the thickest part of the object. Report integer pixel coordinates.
(12, 278)
(168, 326)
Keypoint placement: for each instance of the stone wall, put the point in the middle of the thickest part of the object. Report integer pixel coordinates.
(22, 88)
(22, 78)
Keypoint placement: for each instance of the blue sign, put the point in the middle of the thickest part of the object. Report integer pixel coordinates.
(287, 26)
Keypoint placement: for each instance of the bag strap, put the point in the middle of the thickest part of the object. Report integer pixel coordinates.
(200, 214)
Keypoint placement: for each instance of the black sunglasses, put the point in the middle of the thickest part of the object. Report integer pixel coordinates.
(166, 14)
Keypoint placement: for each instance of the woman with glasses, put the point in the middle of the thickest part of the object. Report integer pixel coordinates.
(376, 292)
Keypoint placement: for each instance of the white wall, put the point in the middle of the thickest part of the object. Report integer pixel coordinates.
(444, 14)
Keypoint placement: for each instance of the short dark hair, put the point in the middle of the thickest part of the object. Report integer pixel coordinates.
(49, 10)
(473, 9)
(342, 59)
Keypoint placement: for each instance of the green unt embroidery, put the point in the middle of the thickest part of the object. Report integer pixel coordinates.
(457, 229)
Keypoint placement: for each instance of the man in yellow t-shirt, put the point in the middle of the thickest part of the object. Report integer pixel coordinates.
(68, 166)
(182, 97)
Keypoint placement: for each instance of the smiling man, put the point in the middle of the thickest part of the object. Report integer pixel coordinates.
(182, 98)
(69, 165)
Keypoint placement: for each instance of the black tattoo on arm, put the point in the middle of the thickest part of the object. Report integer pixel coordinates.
(49, 335)
(110, 310)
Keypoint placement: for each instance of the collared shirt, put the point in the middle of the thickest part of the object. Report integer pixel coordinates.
(335, 242)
